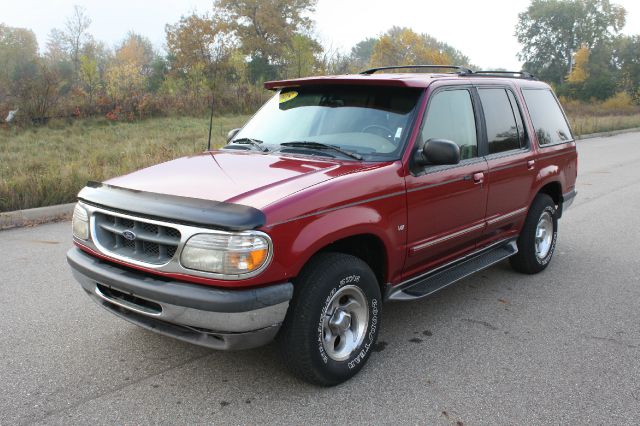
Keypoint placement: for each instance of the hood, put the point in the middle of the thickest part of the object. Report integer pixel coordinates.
(246, 178)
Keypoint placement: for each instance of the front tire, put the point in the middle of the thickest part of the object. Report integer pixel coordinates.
(333, 319)
(537, 241)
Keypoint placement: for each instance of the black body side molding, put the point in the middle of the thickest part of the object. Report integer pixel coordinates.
(183, 210)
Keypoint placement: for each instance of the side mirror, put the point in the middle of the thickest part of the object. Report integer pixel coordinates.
(231, 134)
(438, 152)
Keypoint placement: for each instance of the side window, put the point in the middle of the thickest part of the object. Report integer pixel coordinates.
(548, 120)
(502, 130)
(522, 133)
(450, 116)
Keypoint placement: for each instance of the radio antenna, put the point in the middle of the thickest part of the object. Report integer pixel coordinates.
(210, 123)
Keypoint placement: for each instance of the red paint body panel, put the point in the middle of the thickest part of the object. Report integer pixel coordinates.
(422, 219)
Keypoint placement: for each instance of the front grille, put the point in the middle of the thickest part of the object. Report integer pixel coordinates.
(151, 243)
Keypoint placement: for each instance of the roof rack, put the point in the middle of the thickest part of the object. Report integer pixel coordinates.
(460, 69)
(508, 74)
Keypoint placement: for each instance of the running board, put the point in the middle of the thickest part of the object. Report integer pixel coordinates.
(444, 276)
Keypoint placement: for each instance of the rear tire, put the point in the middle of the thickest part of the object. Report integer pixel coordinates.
(537, 241)
(333, 319)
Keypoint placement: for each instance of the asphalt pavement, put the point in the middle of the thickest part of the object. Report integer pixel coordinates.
(559, 347)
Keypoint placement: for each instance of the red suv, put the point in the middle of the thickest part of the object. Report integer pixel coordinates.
(341, 193)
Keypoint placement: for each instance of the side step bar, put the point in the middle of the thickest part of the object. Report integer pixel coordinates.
(446, 275)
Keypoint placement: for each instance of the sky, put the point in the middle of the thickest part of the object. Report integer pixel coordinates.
(482, 30)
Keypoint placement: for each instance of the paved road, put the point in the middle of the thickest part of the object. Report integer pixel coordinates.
(559, 347)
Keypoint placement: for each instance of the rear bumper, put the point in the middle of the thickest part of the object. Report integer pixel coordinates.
(206, 316)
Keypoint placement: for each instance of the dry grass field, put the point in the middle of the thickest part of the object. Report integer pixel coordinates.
(48, 165)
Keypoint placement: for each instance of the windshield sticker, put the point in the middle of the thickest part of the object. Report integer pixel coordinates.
(287, 96)
(398, 133)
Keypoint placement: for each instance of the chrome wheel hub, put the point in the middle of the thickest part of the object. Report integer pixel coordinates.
(340, 322)
(544, 235)
(345, 322)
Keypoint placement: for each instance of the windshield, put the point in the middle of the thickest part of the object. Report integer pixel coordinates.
(371, 122)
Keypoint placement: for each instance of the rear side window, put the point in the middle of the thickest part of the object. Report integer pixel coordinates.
(502, 130)
(450, 116)
(546, 115)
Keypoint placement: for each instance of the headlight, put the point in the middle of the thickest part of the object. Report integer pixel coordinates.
(80, 223)
(228, 254)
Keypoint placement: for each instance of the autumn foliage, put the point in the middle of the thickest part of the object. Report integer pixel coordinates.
(221, 57)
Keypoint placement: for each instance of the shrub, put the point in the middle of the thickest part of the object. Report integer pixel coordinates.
(620, 102)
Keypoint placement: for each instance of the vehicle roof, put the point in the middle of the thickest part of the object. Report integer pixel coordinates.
(414, 80)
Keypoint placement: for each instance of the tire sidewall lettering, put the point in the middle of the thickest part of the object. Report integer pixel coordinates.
(360, 355)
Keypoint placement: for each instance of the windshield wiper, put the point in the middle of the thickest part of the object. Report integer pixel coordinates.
(319, 145)
(249, 141)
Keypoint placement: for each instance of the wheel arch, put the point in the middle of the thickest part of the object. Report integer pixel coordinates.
(554, 190)
(367, 246)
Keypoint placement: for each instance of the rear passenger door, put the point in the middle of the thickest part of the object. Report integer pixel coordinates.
(510, 160)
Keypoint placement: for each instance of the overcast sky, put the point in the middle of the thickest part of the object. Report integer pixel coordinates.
(483, 30)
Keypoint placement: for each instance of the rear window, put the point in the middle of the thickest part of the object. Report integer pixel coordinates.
(546, 115)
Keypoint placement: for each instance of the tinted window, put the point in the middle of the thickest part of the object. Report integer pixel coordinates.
(502, 131)
(547, 117)
(450, 116)
(522, 133)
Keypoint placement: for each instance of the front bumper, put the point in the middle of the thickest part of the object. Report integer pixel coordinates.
(206, 316)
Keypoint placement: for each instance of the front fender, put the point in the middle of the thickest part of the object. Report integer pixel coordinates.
(298, 240)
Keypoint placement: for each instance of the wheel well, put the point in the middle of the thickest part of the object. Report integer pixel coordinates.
(553, 190)
(367, 247)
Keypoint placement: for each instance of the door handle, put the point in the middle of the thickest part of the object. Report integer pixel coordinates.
(478, 177)
(531, 164)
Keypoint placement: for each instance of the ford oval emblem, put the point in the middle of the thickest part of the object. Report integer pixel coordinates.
(129, 235)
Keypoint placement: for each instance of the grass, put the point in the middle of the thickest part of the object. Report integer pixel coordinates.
(48, 165)
(616, 113)
(585, 124)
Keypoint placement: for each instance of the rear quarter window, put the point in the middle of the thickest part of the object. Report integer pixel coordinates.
(547, 117)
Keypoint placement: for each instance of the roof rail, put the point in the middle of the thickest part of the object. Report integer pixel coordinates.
(460, 69)
(509, 74)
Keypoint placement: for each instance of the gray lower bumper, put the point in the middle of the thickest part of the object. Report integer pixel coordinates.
(212, 317)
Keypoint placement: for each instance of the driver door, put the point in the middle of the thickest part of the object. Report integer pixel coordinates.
(447, 203)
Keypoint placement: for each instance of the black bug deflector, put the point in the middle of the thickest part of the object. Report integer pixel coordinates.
(183, 210)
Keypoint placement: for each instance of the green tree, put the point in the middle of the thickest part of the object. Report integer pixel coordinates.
(361, 53)
(551, 31)
(90, 77)
(18, 46)
(300, 56)
(265, 28)
(19, 66)
(627, 58)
